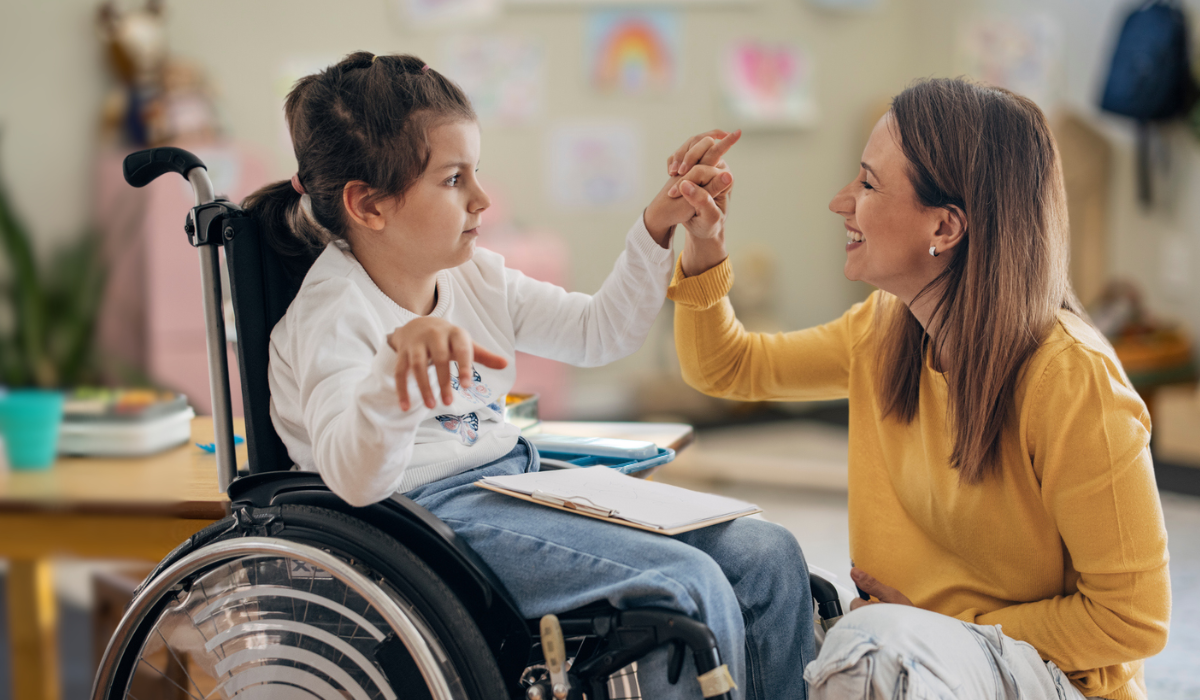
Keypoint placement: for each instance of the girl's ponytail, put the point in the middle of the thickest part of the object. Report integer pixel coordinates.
(282, 220)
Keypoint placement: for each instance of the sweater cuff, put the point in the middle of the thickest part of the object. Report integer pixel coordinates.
(703, 291)
(640, 240)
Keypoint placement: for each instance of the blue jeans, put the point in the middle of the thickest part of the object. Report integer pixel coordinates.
(746, 579)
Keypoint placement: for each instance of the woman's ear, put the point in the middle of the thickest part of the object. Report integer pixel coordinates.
(362, 207)
(952, 229)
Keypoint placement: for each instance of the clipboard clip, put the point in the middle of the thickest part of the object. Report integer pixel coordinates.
(582, 504)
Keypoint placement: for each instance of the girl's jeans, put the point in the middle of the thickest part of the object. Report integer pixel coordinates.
(746, 579)
(902, 652)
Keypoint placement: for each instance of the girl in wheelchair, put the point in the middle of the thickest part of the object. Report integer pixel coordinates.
(389, 370)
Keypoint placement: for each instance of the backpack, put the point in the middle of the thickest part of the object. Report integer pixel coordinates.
(1151, 78)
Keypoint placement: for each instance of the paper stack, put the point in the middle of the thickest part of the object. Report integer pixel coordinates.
(609, 495)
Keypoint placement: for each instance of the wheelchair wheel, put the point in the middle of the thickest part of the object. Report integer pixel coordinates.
(297, 602)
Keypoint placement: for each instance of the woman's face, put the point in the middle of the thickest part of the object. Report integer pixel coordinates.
(888, 231)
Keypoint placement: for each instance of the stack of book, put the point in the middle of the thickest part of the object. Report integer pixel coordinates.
(123, 422)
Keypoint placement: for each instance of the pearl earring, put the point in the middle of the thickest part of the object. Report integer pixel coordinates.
(933, 251)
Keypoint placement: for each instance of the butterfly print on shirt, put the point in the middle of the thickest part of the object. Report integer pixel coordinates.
(466, 426)
(478, 391)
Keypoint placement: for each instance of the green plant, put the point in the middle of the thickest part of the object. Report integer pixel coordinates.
(47, 328)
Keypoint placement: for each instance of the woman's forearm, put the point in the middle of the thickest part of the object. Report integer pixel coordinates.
(719, 357)
(702, 254)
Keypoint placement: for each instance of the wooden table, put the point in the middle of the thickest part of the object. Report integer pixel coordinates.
(137, 508)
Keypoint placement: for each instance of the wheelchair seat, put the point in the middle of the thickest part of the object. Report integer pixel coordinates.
(298, 594)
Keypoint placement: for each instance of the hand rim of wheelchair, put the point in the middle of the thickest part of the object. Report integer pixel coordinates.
(418, 639)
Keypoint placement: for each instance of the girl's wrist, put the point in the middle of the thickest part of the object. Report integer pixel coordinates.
(702, 254)
(661, 233)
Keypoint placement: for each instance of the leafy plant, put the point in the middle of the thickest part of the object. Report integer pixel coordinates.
(47, 327)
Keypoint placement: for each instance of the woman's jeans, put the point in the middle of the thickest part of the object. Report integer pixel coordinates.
(746, 579)
(901, 652)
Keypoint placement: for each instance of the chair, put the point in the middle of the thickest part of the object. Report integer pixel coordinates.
(298, 594)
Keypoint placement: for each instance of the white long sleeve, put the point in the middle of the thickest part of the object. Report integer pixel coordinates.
(333, 393)
(590, 331)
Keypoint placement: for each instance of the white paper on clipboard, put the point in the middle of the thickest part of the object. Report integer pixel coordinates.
(622, 497)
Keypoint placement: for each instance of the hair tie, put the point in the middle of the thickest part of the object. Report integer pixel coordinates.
(296, 184)
(425, 68)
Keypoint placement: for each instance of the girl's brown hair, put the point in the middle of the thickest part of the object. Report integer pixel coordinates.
(365, 119)
(990, 153)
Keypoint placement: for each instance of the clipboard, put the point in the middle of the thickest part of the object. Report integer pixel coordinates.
(580, 503)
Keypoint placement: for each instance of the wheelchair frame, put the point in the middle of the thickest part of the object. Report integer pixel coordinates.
(262, 287)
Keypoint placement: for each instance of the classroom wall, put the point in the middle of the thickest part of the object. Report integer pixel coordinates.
(1158, 247)
(52, 81)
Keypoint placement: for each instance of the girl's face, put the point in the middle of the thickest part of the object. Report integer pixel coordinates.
(435, 224)
(888, 230)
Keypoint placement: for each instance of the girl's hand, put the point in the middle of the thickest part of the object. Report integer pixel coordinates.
(434, 341)
(883, 594)
(668, 208)
(713, 183)
(703, 149)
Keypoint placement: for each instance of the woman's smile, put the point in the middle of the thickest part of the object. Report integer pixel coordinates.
(854, 238)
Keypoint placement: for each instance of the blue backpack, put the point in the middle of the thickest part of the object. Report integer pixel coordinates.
(1151, 77)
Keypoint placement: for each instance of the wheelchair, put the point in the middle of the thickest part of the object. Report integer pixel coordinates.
(297, 594)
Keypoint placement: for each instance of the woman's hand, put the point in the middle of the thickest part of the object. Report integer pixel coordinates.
(872, 587)
(705, 149)
(434, 341)
(696, 198)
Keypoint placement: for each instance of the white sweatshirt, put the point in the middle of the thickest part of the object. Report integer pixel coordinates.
(332, 372)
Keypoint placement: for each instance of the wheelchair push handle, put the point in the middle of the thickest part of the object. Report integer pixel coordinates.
(143, 167)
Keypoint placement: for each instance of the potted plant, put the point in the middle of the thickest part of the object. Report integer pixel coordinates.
(47, 319)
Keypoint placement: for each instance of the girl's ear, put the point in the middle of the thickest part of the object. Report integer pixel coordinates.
(951, 230)
(362, 208)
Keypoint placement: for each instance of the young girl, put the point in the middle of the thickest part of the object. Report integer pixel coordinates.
(387, 150)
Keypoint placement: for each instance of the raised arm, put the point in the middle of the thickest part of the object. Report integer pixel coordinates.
(588, 331)
(721, 358)
(592, 330)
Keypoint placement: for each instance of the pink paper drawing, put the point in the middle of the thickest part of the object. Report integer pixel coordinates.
(769, 84)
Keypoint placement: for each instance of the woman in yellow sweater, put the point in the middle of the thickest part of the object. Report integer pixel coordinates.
(1000, 474)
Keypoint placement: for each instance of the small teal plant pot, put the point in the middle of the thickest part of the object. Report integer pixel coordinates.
(30, 420)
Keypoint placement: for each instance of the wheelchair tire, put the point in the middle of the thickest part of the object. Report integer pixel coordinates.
(305, 602)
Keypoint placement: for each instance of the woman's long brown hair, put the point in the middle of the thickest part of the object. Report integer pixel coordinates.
(990, 153)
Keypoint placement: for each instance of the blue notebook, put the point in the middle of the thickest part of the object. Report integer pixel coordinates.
(624, 466)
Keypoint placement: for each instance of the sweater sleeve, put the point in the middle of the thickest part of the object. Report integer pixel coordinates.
(361, 440)
(720, 358)
(593, 330)
(1089, 437)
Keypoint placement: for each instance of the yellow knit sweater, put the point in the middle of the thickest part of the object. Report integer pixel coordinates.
(1065, 548)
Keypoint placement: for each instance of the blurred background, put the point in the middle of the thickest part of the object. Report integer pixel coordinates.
(580, 103)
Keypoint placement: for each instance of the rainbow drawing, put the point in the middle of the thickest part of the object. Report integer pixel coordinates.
(633, 51)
